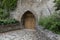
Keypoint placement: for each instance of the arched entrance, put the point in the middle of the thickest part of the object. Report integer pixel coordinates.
(28, 20)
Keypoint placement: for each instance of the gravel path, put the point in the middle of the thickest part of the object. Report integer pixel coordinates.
(25, 34)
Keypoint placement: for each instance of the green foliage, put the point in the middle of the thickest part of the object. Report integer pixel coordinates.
(57, 4)
(6, 6)
(8, 21)
(3, 14)
(52, 22)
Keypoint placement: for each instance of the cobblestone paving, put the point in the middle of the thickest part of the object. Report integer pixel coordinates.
(25, 34)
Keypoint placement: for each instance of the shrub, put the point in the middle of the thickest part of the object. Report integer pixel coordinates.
(3, 14)
(8, 21)
(6, 6)
(52, 22)
(57, 4)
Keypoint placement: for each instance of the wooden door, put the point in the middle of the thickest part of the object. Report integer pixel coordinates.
(29, 21)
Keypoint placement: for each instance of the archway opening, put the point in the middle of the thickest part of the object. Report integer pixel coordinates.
(28, 20)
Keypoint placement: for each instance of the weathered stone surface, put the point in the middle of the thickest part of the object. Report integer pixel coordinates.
(28, 34)
(48, 33)
(39, 8)
(25, 34)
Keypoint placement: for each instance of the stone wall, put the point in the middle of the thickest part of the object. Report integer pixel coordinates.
(39, 8)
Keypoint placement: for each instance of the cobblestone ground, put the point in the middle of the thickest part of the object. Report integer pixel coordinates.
(25, 34)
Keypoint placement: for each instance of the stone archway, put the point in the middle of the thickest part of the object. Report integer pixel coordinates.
(28, 20)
